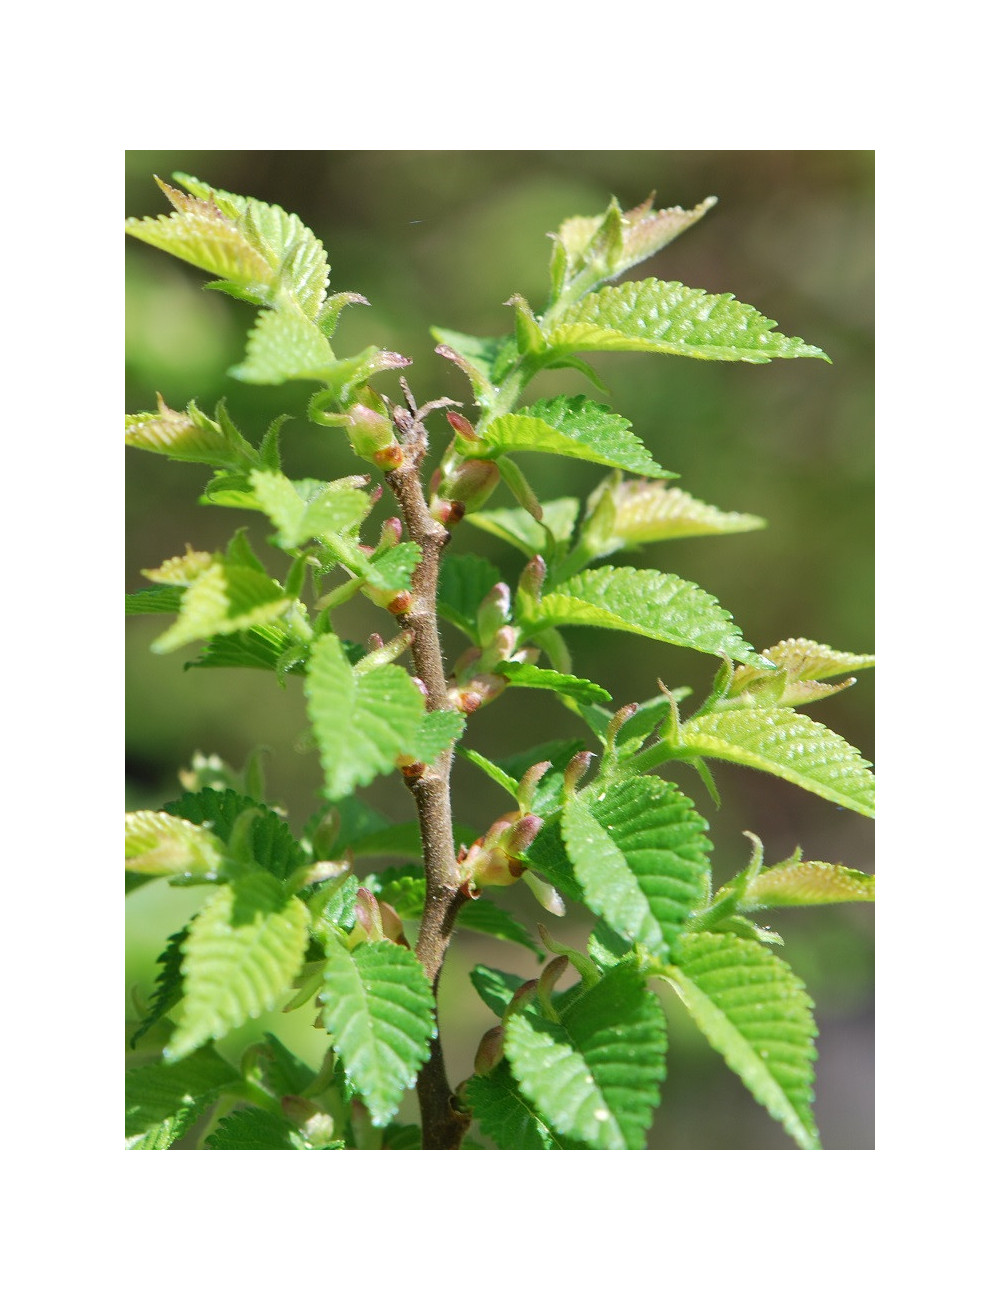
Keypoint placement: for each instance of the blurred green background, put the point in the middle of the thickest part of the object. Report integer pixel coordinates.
(443, 238)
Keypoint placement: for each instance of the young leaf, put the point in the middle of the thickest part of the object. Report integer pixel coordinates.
(516, 526)
(406, 893)
(168, 988)
(505, 1114)
(628, 515)
(158, 844)
(435, 732)
(286, 345)
(804, 884)
(241, 954)
(640, 852)
(363, 723)
(653, 316)
(786, 744)
(379, 1010)
(756, 1012)
(304, 509)
(595, 1076)
(223, 598)
(804, 663)
(657, 605)
(188, 436)
(575, 427)
(616, 240)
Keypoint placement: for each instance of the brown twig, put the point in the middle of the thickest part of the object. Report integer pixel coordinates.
(430, 784)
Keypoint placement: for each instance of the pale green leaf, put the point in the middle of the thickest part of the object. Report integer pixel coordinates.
(224, 598)
(516, 526)
(575, 427)
(379, 1011)
(283, 345)
(787, 745)
(363, 723)
(654, 316)
(187, 436)
(805, 664)
(161, 845)
(806, 884)
(505, 1114)
(406, 893)
(208, 239)
(640, 852)
(640, 233)
(755, 1011)
(304, 509)
(436, 732)
(241, 954)
(595, 1077)
(657, 605)
(630, 514)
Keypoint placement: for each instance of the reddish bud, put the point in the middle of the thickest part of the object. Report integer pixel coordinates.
(619, 720)
(521, 999)
(462, 427)
(528, 784)
(576, 769)
(400, 604)
(533, 578)
(489, 1053)
(392, 924)
(388, 458)
(375, 642)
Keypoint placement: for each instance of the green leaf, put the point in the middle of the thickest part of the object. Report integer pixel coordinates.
(494, 772)
(508, 1117)
(163, 1101)
(363, 723)
(153, 600)
(168, 987)
(657, 605)
(640, 853)
(251, 1129)
(577, 688)
(595, 1076)
(307, 508)
(516, 526)
(379, 1010)
(786, 744)
(653, 316)
(484, 360)
(286, 345)
(158, 844)
(806, 884)
(268, 646)
(755, 1011)
(283, 1072)
(466, 580)
(223, 598)
(495, 987)
(241, 954)
(272, 844)
(436, 731)
(575, 427)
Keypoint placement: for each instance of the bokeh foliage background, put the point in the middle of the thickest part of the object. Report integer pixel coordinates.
(443, 238)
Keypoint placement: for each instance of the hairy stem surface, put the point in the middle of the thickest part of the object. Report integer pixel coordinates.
(443, 1124)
